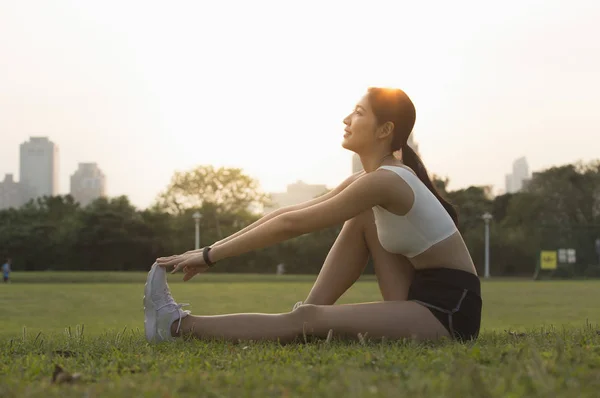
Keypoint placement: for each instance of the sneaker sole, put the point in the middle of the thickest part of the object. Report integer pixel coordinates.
(149, 310)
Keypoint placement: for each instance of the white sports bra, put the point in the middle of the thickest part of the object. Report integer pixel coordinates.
(426, 223)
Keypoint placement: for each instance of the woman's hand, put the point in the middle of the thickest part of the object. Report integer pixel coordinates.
(191, 262)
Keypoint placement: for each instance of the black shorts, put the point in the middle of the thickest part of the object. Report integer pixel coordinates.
(453, 297)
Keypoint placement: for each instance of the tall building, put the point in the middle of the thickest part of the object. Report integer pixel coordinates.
(520, 175)
(88, 183)
(508, 184)
(296, 193)
(39, 167)
(11, 193)
(357, 165)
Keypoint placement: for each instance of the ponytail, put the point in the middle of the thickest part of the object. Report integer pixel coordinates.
(412, 160)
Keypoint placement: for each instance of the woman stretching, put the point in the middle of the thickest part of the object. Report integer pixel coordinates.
(391, 212)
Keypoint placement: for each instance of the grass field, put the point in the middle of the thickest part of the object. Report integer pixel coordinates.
(538, 339)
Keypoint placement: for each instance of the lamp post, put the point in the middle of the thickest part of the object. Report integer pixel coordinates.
(487, 217)
(197, 216)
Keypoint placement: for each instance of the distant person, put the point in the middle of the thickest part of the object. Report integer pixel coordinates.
(391, 212)
(280, 269)
(598, 249)
(6, 270)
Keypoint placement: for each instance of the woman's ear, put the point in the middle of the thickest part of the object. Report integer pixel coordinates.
(386, 130)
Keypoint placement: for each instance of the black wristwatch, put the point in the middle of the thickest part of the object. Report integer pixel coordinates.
(205, 256)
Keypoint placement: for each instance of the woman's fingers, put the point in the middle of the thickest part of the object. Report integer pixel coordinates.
(162, 259)
(169, 263)
(176, 258)
(189, 275)
(184, 262)
(188, 262)
(179, 266)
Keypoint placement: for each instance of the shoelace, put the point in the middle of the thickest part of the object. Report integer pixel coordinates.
(170, 301)
(177, 308)
(180, 317)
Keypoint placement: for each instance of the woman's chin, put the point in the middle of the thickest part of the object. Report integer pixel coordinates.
(346, 144)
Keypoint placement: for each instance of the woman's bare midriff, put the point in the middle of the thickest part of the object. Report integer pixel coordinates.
(449, 253)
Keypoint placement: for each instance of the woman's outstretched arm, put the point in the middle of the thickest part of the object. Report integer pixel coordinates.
(363, 194)
(288, 209)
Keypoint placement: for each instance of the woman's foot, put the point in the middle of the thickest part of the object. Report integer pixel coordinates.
(160, 309)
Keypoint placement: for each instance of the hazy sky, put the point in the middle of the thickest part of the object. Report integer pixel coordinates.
(147, 88)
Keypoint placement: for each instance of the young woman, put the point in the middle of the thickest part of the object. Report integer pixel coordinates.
(390, 212)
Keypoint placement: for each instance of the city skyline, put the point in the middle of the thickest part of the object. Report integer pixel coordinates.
(88, 181)
(490, 83)
(39, 174)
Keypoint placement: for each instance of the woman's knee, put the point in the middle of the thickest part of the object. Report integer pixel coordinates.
(362, 221)
(306, 313)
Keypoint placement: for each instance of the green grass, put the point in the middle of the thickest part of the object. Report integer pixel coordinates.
(555, 352)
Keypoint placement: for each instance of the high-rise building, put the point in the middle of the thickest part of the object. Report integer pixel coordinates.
(357, 165)
(296, 193)
(39, 167)
(88, 183)
(520, 175)
(11, 193)
(508, 184)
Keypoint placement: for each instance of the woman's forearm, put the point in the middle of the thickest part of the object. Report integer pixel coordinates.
(250, 227)
(272, 231)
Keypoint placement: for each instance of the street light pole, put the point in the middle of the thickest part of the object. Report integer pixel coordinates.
(487, 218)
(197, 216)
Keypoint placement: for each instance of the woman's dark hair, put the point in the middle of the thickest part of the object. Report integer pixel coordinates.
(393, 105)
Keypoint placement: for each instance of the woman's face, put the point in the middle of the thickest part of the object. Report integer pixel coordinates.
(361, 126)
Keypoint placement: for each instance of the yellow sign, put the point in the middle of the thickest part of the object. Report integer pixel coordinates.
(548, 260)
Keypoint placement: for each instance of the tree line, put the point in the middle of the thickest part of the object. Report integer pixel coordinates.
(558, 208)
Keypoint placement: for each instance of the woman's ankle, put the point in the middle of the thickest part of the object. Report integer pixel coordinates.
(179, 326)
(174, 329)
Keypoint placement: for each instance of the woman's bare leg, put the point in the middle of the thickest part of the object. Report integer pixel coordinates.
(394, 272)
(348, 257)
(343, 265)
(391, 319)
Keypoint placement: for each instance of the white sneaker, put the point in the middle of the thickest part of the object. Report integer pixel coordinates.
(160, 310)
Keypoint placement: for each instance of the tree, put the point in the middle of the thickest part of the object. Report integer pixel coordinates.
(570, 193)
(113, 235)
(441, 184)
(471, 203)
(558, 208)
(229, 189)
(218, 193)
(568, 207)
(41, 232)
